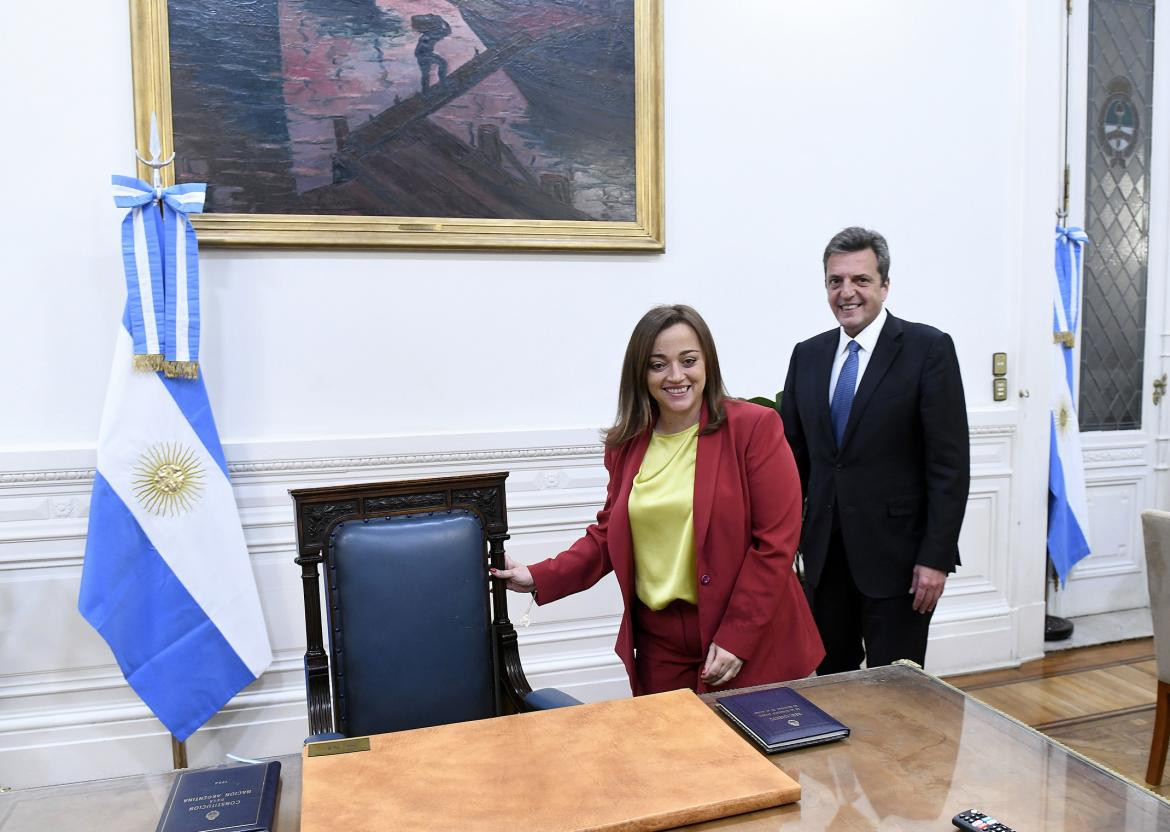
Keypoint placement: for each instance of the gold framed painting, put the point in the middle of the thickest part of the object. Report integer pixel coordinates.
(422, 124)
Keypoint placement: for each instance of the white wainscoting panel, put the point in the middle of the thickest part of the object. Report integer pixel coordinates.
(976, 623)
(1119, 483)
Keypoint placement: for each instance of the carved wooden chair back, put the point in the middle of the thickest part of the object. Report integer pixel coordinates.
(418, 633)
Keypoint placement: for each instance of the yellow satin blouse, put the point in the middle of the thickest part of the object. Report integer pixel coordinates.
(662, 520)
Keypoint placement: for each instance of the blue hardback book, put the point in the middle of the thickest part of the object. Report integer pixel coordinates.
(779, 719)
(224, 799)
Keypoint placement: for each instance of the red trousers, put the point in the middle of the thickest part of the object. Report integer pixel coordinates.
(667, 652)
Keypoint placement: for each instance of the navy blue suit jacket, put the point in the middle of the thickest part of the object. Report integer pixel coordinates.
(901, 476)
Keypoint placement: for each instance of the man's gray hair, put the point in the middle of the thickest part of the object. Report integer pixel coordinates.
(856, 238)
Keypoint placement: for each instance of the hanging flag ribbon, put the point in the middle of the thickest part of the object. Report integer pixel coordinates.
(1066, 314)
(161, 259)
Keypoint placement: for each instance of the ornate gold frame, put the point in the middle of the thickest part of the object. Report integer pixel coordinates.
(150, 55)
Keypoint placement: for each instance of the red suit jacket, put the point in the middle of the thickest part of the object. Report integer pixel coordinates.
(747, 523)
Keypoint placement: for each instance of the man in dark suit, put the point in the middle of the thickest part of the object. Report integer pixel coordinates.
(875, 415)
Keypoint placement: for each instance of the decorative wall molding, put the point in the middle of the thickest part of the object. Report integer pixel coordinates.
(39, 477)
(399, 460)
(991, 431)
(1129, 454)
(345, 463)
(258, 464)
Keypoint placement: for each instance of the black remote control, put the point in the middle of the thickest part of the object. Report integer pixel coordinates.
(973, 820)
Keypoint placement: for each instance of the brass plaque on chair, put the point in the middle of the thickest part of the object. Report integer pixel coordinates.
(346, 746)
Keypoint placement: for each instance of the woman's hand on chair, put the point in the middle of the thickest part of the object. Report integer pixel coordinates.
(517, 576)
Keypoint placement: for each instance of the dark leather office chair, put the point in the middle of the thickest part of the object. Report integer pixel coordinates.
(419, 632)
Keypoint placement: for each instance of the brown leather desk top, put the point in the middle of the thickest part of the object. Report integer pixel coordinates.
(654, 762)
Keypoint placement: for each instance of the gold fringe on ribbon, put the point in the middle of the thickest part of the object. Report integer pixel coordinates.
(148, 363)
(1069, 339)
(181, 369)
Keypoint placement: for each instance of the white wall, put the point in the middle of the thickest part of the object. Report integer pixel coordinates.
(785, 122)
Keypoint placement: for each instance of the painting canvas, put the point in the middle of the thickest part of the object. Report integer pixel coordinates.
(481, 117)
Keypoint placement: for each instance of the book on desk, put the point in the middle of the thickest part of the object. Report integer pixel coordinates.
(223, 798)
(780, 719)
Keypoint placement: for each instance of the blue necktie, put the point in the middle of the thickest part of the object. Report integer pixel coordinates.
(843, 393)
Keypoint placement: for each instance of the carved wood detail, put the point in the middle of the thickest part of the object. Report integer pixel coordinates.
(314, 519)
(487, 501)
(404, 502)
(319, 510)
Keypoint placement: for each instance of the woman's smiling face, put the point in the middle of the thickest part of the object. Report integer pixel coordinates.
(676, 377)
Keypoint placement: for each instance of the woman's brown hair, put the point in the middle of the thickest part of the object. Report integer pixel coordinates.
(636, 408)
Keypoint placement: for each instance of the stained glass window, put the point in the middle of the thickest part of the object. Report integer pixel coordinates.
(1117, 206)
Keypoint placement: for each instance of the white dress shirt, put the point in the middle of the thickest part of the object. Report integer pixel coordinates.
(867, 340)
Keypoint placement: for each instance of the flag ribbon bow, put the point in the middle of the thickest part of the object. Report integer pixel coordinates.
(1066, 307)
(161, 258)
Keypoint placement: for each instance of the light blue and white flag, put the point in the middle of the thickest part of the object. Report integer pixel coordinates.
(1068, 516)
(167, 581)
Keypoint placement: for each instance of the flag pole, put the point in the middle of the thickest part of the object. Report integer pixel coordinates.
(156, 163)
(1057, 628)
(179, 752)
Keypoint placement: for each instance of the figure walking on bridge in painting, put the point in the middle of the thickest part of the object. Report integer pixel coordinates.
(432, 28)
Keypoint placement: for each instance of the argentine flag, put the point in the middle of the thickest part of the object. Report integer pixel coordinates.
(167, 581)
(1068, 515)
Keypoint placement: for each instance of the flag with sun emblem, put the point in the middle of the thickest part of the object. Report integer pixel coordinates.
(1068, 520)
(167, 581)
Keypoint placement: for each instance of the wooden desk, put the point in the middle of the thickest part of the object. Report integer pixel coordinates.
(920, 752)
(125, 804)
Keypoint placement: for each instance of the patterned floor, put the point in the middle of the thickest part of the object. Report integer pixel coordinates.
(1098, 700)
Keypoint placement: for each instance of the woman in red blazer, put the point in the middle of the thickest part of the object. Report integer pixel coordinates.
(743, 619)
